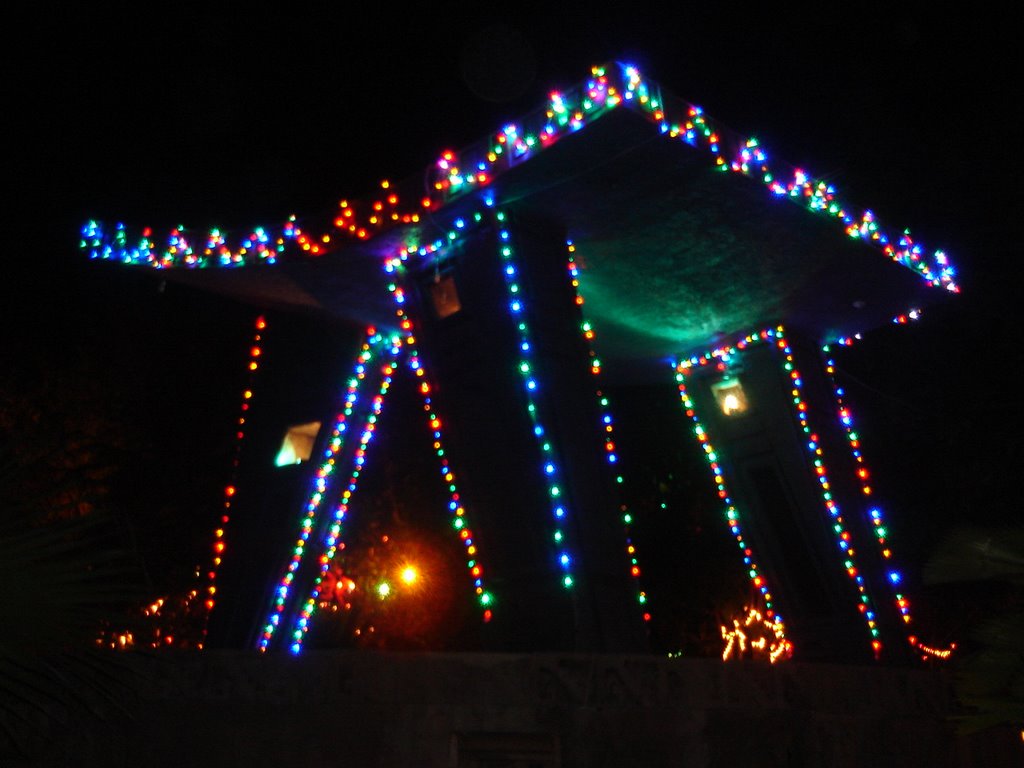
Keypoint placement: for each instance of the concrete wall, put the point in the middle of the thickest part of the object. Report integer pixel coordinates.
(440, 710)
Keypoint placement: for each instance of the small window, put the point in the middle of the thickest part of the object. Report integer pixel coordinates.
(297, 445)
(445, 296)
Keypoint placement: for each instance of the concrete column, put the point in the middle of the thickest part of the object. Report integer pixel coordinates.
(473, 355)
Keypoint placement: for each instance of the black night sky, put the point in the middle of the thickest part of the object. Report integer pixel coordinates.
(212, 118)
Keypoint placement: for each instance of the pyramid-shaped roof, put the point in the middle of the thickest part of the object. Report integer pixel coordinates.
(685, 231)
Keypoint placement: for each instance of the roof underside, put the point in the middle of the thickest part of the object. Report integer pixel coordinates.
(673, 254)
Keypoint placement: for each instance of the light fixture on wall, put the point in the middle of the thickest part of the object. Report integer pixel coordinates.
(729, 395)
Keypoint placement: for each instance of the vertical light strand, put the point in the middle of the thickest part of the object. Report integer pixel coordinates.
(458, 512)
(732, 514)
(458, 174)
(874, 510)
(531, 388)
(332, 539)
(321, 481)
(875, 513)
(817, 458)
(219, 543)
(459, 519)
(608, 429)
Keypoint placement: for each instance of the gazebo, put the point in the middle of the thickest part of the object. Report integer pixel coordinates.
(615, 236)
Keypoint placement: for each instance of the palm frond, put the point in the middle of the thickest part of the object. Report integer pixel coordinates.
(63, 580)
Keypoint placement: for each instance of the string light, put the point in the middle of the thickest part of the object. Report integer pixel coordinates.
(721, 357)
(457, 174)
(369, 350)
(455, 506)
(257, 246)
(909, 316)
(608, 429)
(772, 642)
(935, 653)
(816, 455)
(873, 509)
(332, 539)
(219, 543)
(459, 519)
(531, 388)
(485, 598)
(683, 369)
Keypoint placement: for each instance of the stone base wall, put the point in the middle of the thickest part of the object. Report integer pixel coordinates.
(346, 708)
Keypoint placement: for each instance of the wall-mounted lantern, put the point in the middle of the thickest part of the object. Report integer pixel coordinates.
(730, 396)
